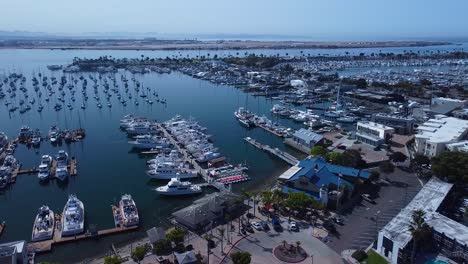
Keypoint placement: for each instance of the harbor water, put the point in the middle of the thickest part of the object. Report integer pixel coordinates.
(107, 168)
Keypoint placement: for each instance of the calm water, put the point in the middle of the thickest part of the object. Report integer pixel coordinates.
(106, 168)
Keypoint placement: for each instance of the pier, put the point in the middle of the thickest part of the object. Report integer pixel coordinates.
(290, 159)
(72, 170)
(268, 129)
(221, 187)
(46, 245)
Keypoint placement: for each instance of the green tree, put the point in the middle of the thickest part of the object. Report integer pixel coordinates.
(398, 157)
(452, 166)
(350, 158)
(417, 227)
(139, 253)
(241, 257)
(267, 197)
(318, 151)
(420, 160)
(175, 235)
(333, 157)
(386, 167)
(112, 260)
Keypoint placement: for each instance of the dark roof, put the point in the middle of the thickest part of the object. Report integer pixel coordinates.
(155, 234)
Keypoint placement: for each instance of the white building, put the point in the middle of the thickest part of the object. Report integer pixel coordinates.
(442, 105)
(372, 133)
(436, 133)
(14, 252)
(449, 237)
(461, 146)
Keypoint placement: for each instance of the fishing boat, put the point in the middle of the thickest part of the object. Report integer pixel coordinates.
(73, 217)
(44, 224)
(244, 116)
(128, 211)
(177, 187)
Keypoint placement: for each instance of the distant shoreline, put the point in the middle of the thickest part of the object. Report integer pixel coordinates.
(207, 45)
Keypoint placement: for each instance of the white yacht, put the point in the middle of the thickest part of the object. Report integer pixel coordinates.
(128, 211)
(73, 217)
(43, 173)
(5, 176)
(169, 170)
(176, 187)
(172, 157)
(61, 173)
(138, 128)
(54, 134)
(62, 158)
(149, 142)
(44, 224)
(46, 159)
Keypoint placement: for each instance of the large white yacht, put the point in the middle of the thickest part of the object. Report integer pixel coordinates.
(62, 158)
(168, 170)
(149, 142)
(44, 224)
(43, 173)
(54, 134)
(177, 187)
(244, 116)
(73, 217)
(128, 211)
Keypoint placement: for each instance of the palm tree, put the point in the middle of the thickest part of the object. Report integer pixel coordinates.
(298, 245)
(221, 231)
(417, 227)
(247, 196)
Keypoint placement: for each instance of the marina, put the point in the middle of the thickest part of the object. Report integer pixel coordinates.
(106, 155)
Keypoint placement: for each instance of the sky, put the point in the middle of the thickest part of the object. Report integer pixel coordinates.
(316, 19)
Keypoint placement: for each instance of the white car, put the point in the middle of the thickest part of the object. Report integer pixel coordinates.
(293, 226)
(257, 226)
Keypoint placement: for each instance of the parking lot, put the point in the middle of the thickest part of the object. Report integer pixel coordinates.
(361, 225)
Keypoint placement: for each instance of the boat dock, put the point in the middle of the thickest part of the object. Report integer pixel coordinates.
(193, 162)
(46, 245)
(72, 169)
(268, 129)
(290, 159)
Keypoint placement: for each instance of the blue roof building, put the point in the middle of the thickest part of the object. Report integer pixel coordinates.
(315, 177)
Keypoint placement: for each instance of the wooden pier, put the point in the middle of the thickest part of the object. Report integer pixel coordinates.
(290, 159)
(46, 245)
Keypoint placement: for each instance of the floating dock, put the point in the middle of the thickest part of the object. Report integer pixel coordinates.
(46, 245)
(72, 170)
(290, 159)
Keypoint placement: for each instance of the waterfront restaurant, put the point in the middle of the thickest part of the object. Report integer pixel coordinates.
(317, 178)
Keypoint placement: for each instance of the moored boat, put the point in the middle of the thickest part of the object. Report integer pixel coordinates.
(44, 224)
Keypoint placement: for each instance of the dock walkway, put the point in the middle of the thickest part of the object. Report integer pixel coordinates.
(290, 159)
(192, 161)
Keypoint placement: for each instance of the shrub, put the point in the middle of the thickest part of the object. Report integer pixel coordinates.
(112, 260)
(386, 167)
(241, 257)
(161, 247)
(359, 255)
(139, 253)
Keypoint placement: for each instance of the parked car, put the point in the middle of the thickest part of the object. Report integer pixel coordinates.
(265, 226)
(293, 226)
(367, 198)
(257, 226)
(337, 220)
(276, 224)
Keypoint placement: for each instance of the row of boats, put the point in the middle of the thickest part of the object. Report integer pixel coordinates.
(63, 91)
(55, 135)
(73, 218)
(9, 165)
(60, 172)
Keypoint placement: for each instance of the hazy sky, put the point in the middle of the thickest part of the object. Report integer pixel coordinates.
(323, 19)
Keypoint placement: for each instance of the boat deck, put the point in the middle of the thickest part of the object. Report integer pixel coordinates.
(46, 245)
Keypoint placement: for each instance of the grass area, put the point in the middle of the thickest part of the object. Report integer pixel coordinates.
(374, 258)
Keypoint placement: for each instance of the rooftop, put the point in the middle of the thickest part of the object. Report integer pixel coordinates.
(429, 198)
(307, 135)
(443, 129)
(375, 125)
